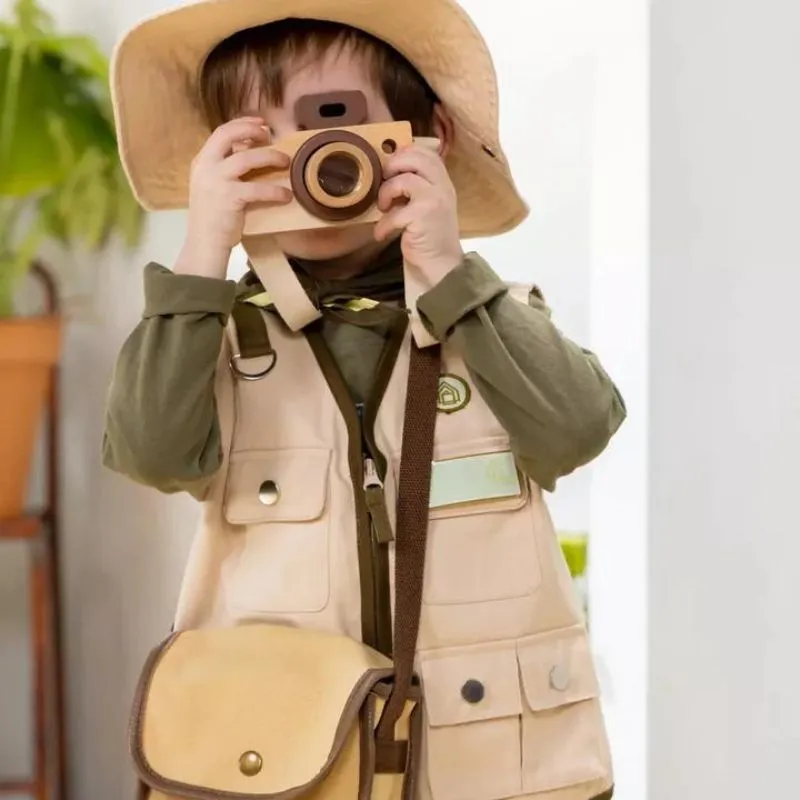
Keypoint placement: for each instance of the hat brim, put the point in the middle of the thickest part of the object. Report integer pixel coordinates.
(160, 127)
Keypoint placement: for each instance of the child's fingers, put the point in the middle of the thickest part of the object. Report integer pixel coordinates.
(404, 187)
(263, 192)
(222, 141)
(396, 221)
(418, 160)
(255, 158)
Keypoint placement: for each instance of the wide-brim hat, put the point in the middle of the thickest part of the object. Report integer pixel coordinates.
(160, 127)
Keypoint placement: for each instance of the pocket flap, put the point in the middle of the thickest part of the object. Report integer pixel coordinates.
(470, 684)
(557, 669)
(253, 711)
(277, 486)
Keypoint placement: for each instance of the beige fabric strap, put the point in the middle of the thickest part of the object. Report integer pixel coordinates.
(278, 278)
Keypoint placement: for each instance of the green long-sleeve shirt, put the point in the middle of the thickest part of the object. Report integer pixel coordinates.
(554, 399)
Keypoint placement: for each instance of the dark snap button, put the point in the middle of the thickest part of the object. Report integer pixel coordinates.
(473, 691)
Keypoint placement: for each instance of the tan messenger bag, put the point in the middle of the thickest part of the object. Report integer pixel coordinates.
(261, 711)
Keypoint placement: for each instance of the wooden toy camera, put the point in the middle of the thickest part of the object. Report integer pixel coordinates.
(336, 166)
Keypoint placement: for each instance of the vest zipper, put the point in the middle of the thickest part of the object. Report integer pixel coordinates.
(380, 534)
(373, 491)
(367, 471)
(376, 503)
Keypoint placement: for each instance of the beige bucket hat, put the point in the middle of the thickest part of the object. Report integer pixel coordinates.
(160, 128)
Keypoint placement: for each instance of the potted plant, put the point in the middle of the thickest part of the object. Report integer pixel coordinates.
(60, 179)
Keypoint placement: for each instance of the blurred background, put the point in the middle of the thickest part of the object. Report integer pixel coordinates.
(657, 145)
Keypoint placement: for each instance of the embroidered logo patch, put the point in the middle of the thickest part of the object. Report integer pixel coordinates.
(454, 394)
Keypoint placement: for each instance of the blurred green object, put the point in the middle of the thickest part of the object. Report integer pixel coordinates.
(60, 175)
(575, 547)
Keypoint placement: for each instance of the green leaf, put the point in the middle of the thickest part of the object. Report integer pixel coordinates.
(80, 53)
(52, 218)
(33, 155)
(60, 174)
(31, 18)
(128, 214)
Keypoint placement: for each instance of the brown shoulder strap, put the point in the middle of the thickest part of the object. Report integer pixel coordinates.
(416, 458)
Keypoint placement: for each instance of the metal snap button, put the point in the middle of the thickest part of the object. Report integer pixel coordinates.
(269, 493)
(473, 691)
(559, 678)
(250, 763)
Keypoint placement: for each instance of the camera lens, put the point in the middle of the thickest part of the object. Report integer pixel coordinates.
(336, 175)
(339, 174)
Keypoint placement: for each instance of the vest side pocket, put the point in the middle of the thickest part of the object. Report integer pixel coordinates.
(277, 501)
(473, 705)
(564, 745)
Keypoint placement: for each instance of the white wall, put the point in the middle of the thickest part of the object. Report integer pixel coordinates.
(725, 388)
(124, 545)
(619, 328)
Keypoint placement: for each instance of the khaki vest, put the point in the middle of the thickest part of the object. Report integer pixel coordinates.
(511, 695)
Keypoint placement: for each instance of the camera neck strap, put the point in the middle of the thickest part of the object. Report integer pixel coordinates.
(279, 280)
(293, 303)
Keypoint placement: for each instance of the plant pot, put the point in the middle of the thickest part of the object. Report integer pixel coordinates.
(29, 349)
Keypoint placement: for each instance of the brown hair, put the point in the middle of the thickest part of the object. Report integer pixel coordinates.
(255, 57)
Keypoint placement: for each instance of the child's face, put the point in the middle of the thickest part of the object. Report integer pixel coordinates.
(337, 70)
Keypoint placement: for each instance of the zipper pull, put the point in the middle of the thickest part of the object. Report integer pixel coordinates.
(376, 503)
(371, 478)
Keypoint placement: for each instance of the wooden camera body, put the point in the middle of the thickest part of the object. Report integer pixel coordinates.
(336, 166)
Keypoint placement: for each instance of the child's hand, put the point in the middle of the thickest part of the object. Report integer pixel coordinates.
(429, 217)
(218, 197)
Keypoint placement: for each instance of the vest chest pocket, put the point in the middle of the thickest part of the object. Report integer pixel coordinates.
(481, 539)
(278, 501)
(509, 719)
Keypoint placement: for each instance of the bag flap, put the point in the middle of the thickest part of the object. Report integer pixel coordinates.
(256, 711)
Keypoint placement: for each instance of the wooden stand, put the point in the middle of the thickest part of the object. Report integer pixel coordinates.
(40, 531)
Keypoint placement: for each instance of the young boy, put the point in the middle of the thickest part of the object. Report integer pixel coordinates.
(297, 470)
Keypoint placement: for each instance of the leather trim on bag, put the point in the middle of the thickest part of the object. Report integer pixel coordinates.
(391, 758)
(414, 764)
(367, 771)
(150, 664)
(358, 698)
(384, 689)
